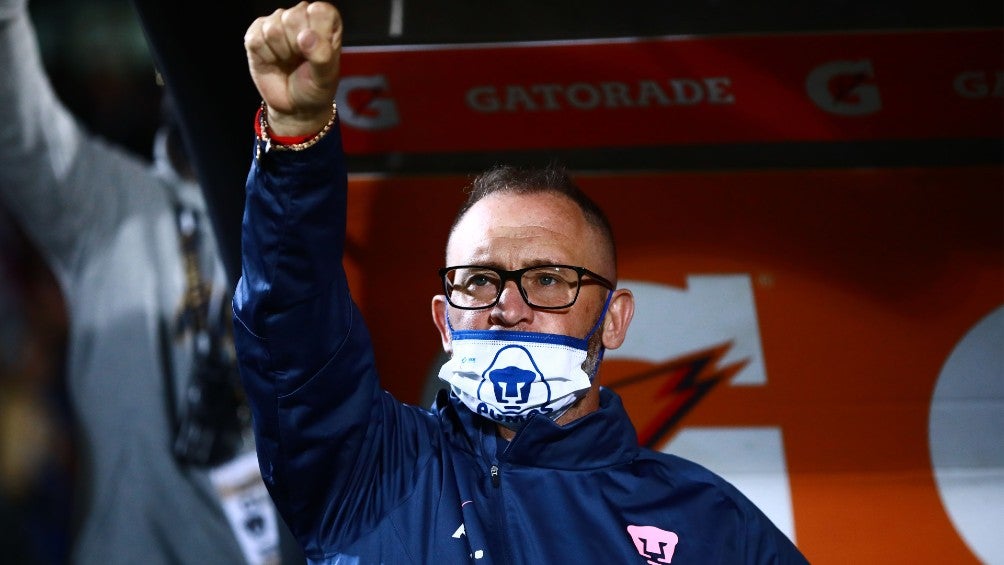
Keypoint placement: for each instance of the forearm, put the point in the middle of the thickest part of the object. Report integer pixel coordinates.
(304, 352)
(68, 189)
(293, 233)
(39, 138)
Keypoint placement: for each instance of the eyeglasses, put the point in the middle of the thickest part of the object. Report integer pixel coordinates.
(472, 287)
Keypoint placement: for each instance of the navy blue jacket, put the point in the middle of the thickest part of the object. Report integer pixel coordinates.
(363, 478)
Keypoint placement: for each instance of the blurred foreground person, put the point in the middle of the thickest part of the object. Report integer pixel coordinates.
(168, 471)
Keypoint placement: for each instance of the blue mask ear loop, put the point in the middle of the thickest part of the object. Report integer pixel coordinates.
(599, 322)
(603, 314)
(446, 312)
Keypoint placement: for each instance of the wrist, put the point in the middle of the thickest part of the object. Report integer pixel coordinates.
(295, 124)
(292, 135)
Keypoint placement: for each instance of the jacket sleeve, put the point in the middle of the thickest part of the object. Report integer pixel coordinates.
(335, 451)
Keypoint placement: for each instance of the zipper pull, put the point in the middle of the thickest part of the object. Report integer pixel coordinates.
(495, 475)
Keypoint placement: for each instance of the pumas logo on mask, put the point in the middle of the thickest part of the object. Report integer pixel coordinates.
(510, 376)
(510, 381)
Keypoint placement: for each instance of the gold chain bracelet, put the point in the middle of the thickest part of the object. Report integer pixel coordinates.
(263, 125)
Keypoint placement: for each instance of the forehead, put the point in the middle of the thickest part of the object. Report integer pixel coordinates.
(516, 230)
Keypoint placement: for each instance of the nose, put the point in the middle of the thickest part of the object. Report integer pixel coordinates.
(510, 309)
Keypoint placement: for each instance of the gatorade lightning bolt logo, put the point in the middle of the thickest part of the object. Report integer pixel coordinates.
(681, 384)
(686, 342)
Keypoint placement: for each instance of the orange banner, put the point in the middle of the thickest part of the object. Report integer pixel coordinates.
(828, 340)
(674, 90)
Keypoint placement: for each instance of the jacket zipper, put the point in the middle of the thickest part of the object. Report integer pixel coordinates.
(495, 472)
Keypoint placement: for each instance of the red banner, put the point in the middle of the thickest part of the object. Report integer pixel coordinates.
(674, 90)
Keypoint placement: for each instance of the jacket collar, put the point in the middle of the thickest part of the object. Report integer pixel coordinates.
(602, 438)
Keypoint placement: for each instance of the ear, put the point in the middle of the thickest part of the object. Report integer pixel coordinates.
(440, 310)
(618, 318)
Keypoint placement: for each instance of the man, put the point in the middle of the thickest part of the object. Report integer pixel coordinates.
(166, 475)
(528, 459)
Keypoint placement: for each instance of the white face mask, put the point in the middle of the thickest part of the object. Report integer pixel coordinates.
(509, 376)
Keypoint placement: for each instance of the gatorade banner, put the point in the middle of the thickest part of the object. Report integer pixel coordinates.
(850, 86)
(831, 341)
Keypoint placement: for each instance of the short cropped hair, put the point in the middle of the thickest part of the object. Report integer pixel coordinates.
(553, 179)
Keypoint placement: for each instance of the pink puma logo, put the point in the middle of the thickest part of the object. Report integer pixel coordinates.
(655, 544)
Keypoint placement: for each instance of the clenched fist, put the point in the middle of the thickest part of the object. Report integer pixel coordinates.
(294, 60)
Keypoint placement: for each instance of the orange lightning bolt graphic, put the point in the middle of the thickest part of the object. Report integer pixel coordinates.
(672, 389)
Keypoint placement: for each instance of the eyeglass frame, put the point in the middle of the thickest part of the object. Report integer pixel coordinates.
(516, 276)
